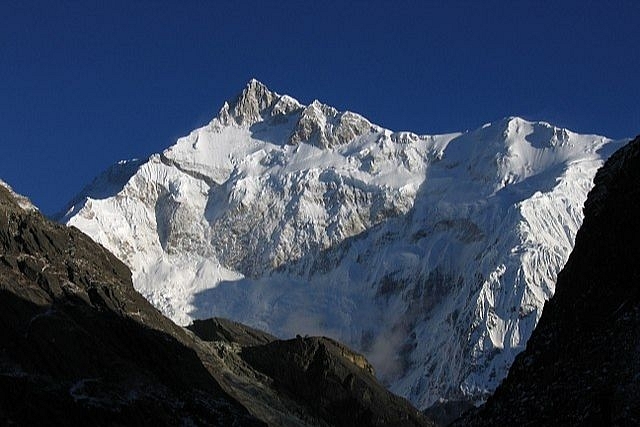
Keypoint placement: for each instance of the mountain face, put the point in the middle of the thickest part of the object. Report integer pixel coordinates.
(581, 365)
(432, 255)
(79, 346)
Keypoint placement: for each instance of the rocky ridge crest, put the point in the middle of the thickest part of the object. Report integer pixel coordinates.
(317, 123)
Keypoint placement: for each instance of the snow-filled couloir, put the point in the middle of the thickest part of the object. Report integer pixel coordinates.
(433, 255)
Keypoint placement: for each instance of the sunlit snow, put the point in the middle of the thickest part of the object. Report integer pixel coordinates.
(433, 255)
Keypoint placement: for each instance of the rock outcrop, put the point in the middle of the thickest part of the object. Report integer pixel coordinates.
(318, 124)
(325, 127)
(334, 382)
(254, 104)
(328, 383)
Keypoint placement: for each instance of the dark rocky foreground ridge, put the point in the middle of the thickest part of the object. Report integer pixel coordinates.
(318, 374)
(79, 346)
(582, 363)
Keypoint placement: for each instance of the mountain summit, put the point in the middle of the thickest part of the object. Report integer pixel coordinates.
(255, 103)
(431, 254)
(317, 123)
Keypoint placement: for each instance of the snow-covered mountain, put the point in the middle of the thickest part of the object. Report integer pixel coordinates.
(433, 255)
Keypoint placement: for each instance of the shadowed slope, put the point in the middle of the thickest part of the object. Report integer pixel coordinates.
(325, 379)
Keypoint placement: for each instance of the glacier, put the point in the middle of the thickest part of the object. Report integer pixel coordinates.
(431, 254)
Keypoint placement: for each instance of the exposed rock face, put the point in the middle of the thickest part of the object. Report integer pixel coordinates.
(256, 103)
(322, 373)
(325, 127)
(581, 365)
(330, 383)
(318, 124)
(79, 346)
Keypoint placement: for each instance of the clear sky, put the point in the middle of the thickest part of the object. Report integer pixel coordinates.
(84, 84)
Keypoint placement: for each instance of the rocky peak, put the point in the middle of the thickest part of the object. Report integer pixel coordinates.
(255, 103)
(324, 126)
(318, 124)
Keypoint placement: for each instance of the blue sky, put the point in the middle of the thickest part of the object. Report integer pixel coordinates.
(84, 84)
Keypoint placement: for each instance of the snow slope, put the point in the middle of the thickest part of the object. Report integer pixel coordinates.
(433, 255)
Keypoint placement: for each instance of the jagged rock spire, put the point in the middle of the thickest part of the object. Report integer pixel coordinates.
(318, 124)
(254, 104)
(326, 127)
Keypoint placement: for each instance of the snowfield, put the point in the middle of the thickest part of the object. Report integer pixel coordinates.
(433, 255)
